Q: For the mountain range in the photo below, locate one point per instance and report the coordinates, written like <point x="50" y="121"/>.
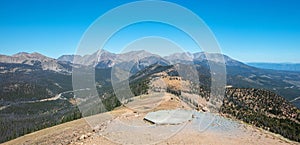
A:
<point x="277" y="66"/>
<point x="37" y="92"/>
<point x="285" y="83"/>
<point x="105" y="59"/>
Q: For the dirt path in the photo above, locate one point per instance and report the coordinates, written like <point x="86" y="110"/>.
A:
<point x="56" y="97"/>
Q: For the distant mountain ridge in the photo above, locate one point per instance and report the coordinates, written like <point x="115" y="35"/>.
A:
<point x="277" y="66"/>
<point x="108" y="59"/>
<point x="36" y="60"/>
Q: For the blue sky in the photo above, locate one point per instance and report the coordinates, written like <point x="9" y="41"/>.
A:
<point x="248" y="30"/>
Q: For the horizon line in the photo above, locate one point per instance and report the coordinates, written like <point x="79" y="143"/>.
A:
<point x="247" y="62"/>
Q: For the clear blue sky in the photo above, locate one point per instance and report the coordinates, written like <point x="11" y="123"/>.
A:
<point x="247" y="30"/>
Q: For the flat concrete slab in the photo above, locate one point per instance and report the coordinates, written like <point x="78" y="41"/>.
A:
<point x="169" y="117"/>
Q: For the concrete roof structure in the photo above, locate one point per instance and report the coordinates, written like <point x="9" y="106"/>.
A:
<point x="169" y="117"/>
